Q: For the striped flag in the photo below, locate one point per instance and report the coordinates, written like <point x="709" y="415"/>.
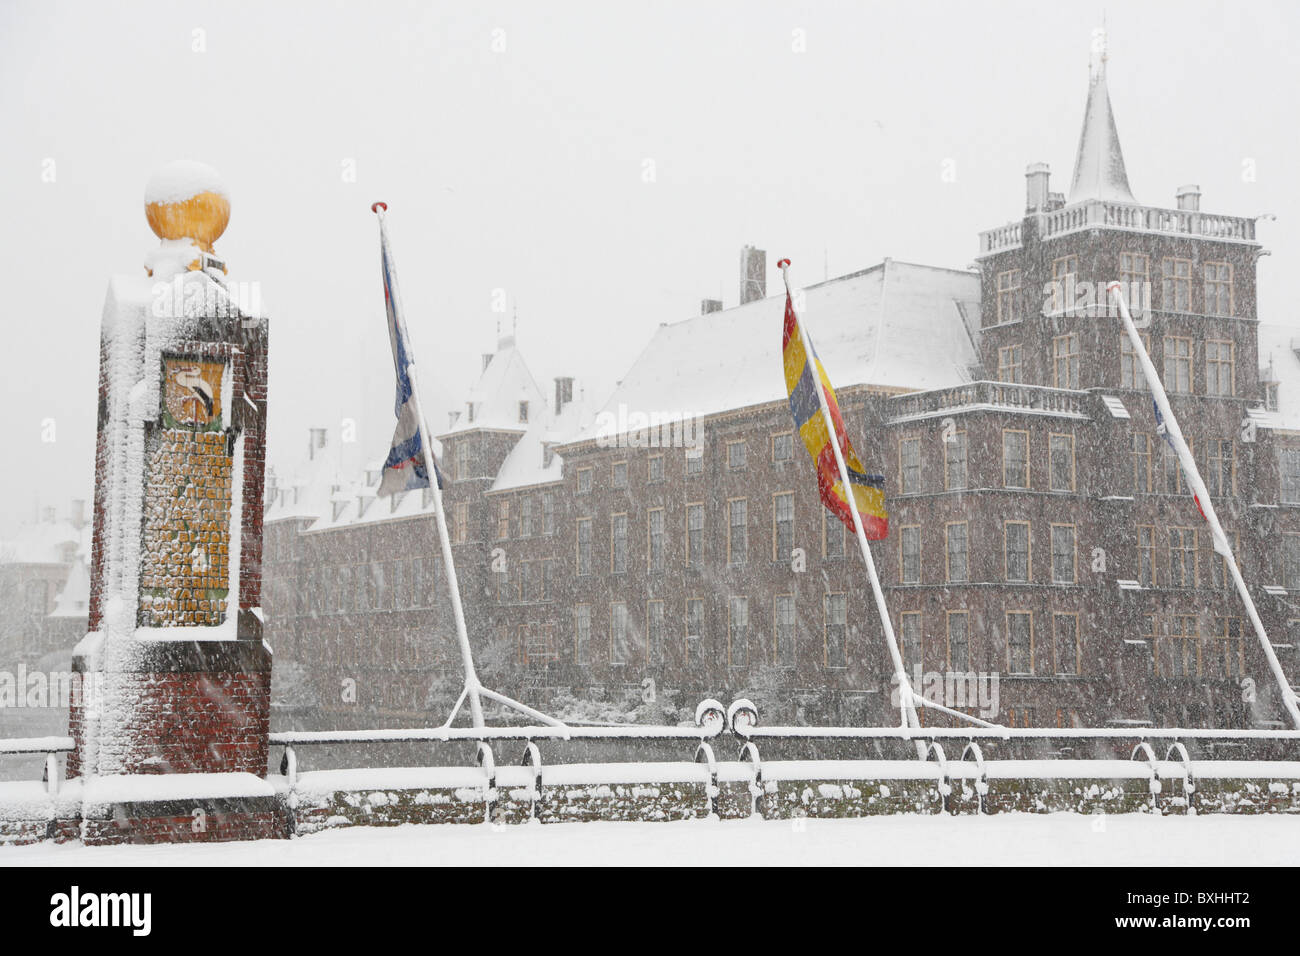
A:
<point x="801" y="383"/>
<point x="404" y="469"/>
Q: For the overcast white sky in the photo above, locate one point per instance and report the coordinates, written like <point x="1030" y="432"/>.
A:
<point x="522" y="169"/>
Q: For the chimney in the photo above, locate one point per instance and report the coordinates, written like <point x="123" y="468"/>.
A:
<point x="1189" y="198"/>
<point x="1036" y="192"/>
<point x="563" y="392"/>
<point x="487" y="360"/>
<point x="753" y="274"/>
<point x="77" y="513"/>
<point x="315" y="442"/>
<point x="710" y="305"/>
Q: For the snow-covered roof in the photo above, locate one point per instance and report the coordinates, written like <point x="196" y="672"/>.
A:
<point x="527" y="464"/>
<point x="74" y="598"/>
<point x="1099" y="171"/>
<point x="1280" y="363"/>
<point x="495" y="397"/>
<point x="897" y="325"/>
<point x="46" y="542"/>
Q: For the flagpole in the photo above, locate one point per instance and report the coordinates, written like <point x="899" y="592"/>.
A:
<point x="906" y="699"/>
<point x="1217" y="535"/>
<point x="473" y="687"/>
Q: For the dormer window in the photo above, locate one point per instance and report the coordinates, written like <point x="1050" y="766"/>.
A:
<point x="523" y="412"/>
<point x="470" y="412"/>
<point x="1270" y="396"/>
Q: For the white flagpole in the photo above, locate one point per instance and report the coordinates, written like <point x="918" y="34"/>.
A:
<point x="1219" y="539"/>
<point x="473" y="687"/>
<point x="906" y="698"/>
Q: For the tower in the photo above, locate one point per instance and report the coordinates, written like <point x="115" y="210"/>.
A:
<point x="175" y="677"/>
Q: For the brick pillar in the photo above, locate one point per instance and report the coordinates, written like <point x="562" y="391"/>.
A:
<point x="176" y="679"/>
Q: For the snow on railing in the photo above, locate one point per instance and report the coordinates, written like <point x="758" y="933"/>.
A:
<point x="1101" y="214"/>
<point x="1000" y="395"/>
<point x="50" y="746"/>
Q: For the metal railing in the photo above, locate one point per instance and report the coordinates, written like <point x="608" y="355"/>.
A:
<point x="50" y="746"/>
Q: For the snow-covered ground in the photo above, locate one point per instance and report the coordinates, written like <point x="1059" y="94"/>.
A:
<point x="1051" y="839"/>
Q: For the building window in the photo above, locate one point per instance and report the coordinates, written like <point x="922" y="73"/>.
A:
<point x="1221" y="467"/>
<point x="654" y="631"/>
<point x="618" y="543"/>
<point x="1009" y="364"/>
<point x="525" y="580"/>
<point x="655" y="468"/>
<point x="909" y="635"/>
<point x="959" y="641"/>
<point x="1008" y="296"/>
<point x="1061" y="470"/>
<point x="783" y="447"/>
<point x="1020" y="642"/>
<point x="462" y="460"/>
<point x="909" y="554"/>
<point x="1065" y="361"/>
<point x="782" y="526"/>
<point x="958" y="568"/>
<point x="1015" y="558"/>
<point x="582" y="634"/>
<point x="737" y="540"/>
<point x="694" y="627"/>
<point x="618" y="474"/>
<point x="618" y="636"/>
<point x="1065" y="641"/>
<point x="1065" y="272"/>
<point x="526" y="517"/>
<point x="655" y="538"/>
<point x="738" y="631"/>
<point x="1141" y="461"/>
<point x="1130" y="368"/>
<point x="1221" y="654"/>
<point x="523" y="412"/>
<point x="1182" y="557"/>
<point x="835" y="636"/>
<point x="1176" y="285"/>
<point x="833" y="535"/>
<point x="736" y="455"/>
<point x="783" y="630"/>
<point x="584" y="481"/>
<point x="1147" y="556"/>
<point x="1219" y="575"/>
<point x="1175" y="480"/>
<point x="460" y="522"/>
<point x="1134" y="269"/>
<point x="1289" y="465"/>
<point x="1015" y="458"/>
<point x="1178" y="654"/>
<point x="1270" y="396"/>
<point x="1063" y="554"/>
<point x="694" y="461"/>
<point x="1218" y="288"/>
<point x="548" y="512"/>
<point x="548" y="579"/>
<point x="1218" y="367"/>
<point x="909" y="465"/>
<point x="954" y="455"/>
<point x="584" y="545"/>
<point x="503" y="519"/>
<point x="1291" y="561"/>
<point x="694" y="534"/>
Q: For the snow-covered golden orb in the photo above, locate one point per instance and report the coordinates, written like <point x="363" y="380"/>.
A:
<point x="187" y="200"/>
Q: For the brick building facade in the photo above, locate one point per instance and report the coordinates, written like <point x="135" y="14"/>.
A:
<point x="1041" y="537"/>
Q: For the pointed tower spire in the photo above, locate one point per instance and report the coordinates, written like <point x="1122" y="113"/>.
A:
<point x="1099" y="166"/>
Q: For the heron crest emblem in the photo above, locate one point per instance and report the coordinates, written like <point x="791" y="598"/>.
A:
<point x="192" y="392"/>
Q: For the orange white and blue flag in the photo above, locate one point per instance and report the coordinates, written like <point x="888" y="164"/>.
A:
<point x="802" y="378"/>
